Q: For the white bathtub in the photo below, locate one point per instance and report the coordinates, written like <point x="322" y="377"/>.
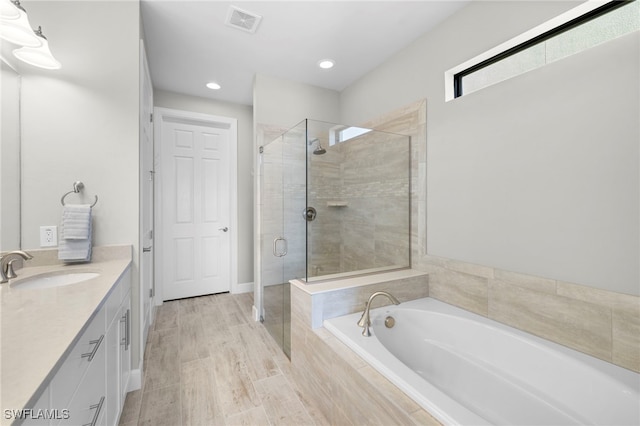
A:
<point x="466" y="369"/>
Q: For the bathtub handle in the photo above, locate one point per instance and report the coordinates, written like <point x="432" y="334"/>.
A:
<point x="275" y="247"/>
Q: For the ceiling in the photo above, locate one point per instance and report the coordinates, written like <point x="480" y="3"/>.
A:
<point x="188" y="43"/>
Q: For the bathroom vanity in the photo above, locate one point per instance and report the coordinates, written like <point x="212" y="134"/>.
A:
<point x="66" y="347"/>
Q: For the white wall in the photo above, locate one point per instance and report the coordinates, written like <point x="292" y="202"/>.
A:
<point x="537" y="174"/>
<point x="81" y="122"/>
<point x="278" y="102"/>
<point x="244" y="115"/>
<point x="417" y="71"/>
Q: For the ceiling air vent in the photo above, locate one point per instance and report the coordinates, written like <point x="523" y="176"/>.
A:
<point x="242" y="20"/>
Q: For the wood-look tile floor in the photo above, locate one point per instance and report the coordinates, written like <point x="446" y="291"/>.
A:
<point x="208" y="363"/>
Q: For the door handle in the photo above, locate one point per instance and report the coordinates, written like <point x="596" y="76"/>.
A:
<point x="146" y="249"/>
<point x="96" y="414"/>
<point x="90" y="355"/>
<point x="275" y="247"/>
<point x="126" y="319"/>
<point x="225" y="229"/>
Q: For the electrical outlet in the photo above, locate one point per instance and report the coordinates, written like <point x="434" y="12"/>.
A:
<point x="48" y="236"/>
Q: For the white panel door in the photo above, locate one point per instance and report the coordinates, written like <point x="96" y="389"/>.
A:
<point x="195" y="209"/>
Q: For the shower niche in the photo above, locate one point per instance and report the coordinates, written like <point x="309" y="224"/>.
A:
<point x="334" y="203"/>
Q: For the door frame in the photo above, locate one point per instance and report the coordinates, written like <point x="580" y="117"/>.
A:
<point x="143" y="324"/>
<point x="161" y="115"/>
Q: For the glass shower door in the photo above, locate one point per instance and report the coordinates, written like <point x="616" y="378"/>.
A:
<point x="273" y="246"/>
<point x="283" y="199"/>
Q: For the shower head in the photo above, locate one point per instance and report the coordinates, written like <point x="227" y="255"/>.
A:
<point x="319" y="149"/>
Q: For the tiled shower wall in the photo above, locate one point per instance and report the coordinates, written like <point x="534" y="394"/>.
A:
<point x="326" y="196"/>
<point x="600" y="323"/>
<point x="360" y="189"/>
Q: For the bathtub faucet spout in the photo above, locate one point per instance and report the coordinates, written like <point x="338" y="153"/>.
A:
<point x="365" y="321"/>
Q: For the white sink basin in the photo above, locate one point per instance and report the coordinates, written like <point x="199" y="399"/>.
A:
<point x="53" y="279"/>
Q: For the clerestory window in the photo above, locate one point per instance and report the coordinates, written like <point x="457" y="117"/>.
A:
<point x="557" y="39"/>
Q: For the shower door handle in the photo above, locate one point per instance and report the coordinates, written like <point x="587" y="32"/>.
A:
<point x="275" y="247"/>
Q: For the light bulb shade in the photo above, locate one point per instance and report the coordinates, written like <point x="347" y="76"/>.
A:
<point x="19" y="31"/>
<point x="38" y="56"/>
<point x="8" y="10"/>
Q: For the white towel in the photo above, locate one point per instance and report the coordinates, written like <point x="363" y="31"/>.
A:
<point x="76" y="220"/>
<point x="76" y="233"/>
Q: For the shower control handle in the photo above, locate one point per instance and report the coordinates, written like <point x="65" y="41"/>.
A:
<point x="309" y="214"/>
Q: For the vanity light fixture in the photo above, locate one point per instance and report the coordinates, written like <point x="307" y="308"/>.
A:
<point x="38" y="56"/>
<point x="18" y="30"/>
<point x="8" y="10"/>
<point x="325" y="64"/>
<point x="214" y="86"/>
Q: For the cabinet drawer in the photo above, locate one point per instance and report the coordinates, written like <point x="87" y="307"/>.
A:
<point x="42" y="414"/>
<point x="88" y="404"/>
<point x="67" y="379"/>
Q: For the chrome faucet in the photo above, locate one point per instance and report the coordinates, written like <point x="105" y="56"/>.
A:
<point x="6" y="264"/>
<point x="365" y="321"/>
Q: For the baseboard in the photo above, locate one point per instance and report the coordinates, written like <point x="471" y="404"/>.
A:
<point x="242" y="288"/>
<point x="135" y="380"/>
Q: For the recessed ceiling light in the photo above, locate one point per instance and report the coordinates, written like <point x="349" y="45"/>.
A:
<point x="325" y="64"/>
<point x="213" y="86"/>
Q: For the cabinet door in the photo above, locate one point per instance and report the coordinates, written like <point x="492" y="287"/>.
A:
<point x="125" y="348"/>
<point x="113" y="403"/>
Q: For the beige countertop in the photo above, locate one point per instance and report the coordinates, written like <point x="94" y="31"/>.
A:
<point x="39" y="326"/>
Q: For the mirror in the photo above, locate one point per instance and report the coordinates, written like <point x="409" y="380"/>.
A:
<point x="10" y="160"/>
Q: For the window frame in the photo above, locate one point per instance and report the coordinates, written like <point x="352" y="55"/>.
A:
<point x="336" y="134"/>
<point x="575" y="22"/>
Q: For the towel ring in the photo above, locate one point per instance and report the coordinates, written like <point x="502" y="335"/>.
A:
<point x="77" y="187"/>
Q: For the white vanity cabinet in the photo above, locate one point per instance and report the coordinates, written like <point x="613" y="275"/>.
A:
<point x="91" y="383"/>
